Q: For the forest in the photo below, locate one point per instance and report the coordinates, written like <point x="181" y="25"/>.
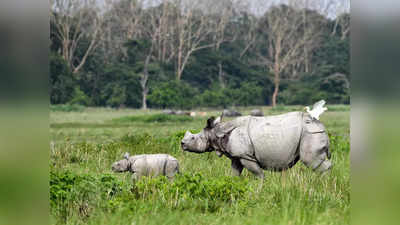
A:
<point x="183" y="54"/>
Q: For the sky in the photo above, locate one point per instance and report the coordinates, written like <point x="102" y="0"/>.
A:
<point x="259" y="7"/>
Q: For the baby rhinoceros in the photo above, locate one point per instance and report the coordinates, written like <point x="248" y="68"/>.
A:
<point x="148" y="165"/>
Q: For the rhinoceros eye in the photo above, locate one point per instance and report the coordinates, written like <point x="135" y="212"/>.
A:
<point x="192" y="138"/>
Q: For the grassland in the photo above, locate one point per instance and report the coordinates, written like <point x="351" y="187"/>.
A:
<point x="84" y="191"/>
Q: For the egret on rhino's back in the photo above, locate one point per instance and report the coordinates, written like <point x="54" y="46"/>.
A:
<point x="318" y="109"/>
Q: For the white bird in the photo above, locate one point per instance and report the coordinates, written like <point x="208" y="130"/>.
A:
<point x="318" y="109"/>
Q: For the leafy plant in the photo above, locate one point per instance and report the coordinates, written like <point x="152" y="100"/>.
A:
<point x="79" y="98"/>
<point x="206" y="193"/>
<point x="175" y="94"/>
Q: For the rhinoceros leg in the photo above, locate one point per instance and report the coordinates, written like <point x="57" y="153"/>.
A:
<point x="136" y="176"/>
<point x="237" y="167"/>
<point x="253" y="167"/>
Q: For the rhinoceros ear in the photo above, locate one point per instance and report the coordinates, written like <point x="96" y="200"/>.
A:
<point x="210" y="122"/>
<point x="126" y="155"/>
<point x="218" y="120"/>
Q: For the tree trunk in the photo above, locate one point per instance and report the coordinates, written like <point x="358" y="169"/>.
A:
<point x="344" y="34"/>
<point x="305" y="46"/>
<point x="178" y="74"/>
<point x="87" y="53"/>
<point x="276" y="88"/>
<point x="275" y="94"/>
<point x="179" y="71"/>
<point x="143" y="81"/>
<point x="65" y="53"/>
<point x="221" y="75"/>
<point x="334" y="28"/>
<point x="306" y="60"/>
<point x="144" y="94"/>
<point x="144" y="98"/>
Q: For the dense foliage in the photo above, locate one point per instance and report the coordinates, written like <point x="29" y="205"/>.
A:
<point x="119" y="75"/>
<point x="69" y="190"/>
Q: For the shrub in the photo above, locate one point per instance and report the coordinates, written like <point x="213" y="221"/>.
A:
<point x="120" y="86"/>
<point x="67" y="108"/>
<point x="312" y="88"/>
<point x="175" y="94"/>
<point x="214" y="98"/>
<point x="248" y="94"/>
<point x="62" y="81"/>
<point x="77" y="194"/>
<point x="208" y="194"/>
<point x="299" y="94"/>
<point x="159" y="118"/>
<point x="73" y="194"/>
<point x="80" y="98"/>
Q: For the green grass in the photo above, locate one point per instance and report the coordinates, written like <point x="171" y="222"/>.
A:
<point x="67" y="108"/>
<point x="83" y="189"/>
<point x="154" y="118"/>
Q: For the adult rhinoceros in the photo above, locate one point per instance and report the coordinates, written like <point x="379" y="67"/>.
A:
<point x="271" y="142"/>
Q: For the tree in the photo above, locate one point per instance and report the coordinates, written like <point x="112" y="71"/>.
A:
<point x="74" y="23"/>
<point x="176" y="94"/>
<point x="343" y="21"/>
<point x="143" y="49"/>
<point x="153" y="23"/>
<point x="248" y="32"/>
<point x="145" y="26"/>
<point x="222" y="13"/>
<point x="122" y="24"/>
<point x="61" y="80"/>
<point x="120" y="86"/>
<point x="341" y="25"/>
<point x="192" y="30"/>
<point x="229" y="51"/>
<point x="287" y="39"/>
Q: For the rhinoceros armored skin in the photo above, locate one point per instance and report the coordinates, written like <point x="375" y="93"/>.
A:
<point x="148" y="165"/>
<point x="271" y="142"/>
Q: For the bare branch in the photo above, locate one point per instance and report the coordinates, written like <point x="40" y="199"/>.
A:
<point x="291" y="37"/>
<point x="74" y="21"/>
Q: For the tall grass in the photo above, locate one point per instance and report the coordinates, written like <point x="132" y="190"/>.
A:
<point x="84" y="191"/>
<point x="67" y="108"/>
<point x="154" y="118"/>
